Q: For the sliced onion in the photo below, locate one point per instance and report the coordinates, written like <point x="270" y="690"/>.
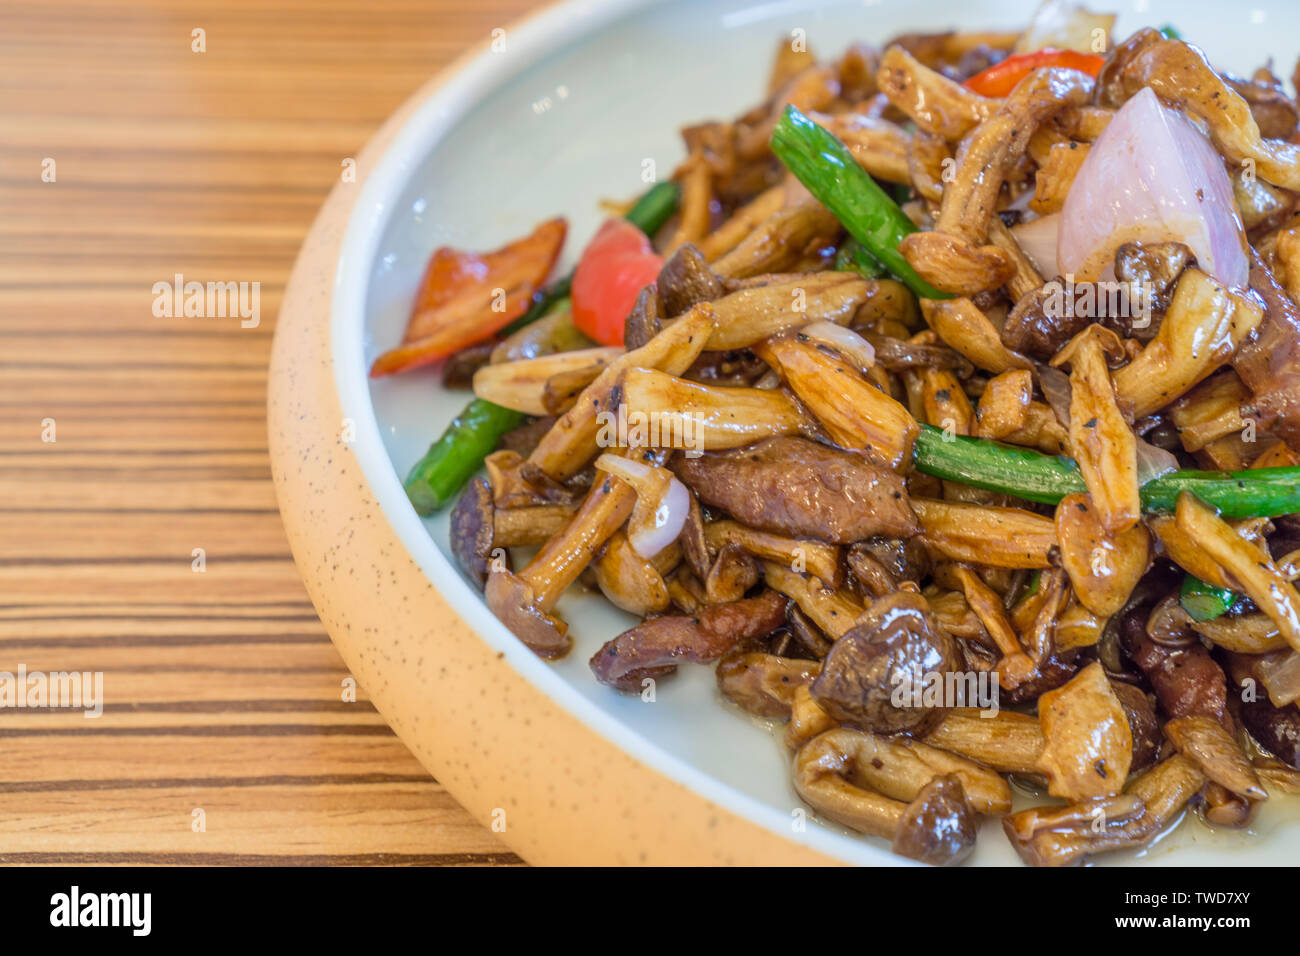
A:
<point x="1037" y="240"/>
<point x="656" y="523"/>
<point x="1152" y="462"/>
<point x="664" y="525"/>
<point x="853" y="346"/>
<point x="1065" y="26"/>
<point x="1280" y="677"/>
<point x="1151" y="177"/>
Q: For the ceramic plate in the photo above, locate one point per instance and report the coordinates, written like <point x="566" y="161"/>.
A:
<point x="550" y="116"/>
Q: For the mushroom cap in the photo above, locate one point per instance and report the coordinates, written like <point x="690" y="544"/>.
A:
<point x="511" y="599"/>
<point x="472" y="530"/>
<point x="895" y="643"/>
<point x="938" y="827"/>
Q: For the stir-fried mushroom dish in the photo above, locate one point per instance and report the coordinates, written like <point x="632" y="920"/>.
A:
<point x="947" y="404"/>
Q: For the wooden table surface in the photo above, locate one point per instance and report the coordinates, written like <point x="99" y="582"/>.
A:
<point x="222" y="693"/>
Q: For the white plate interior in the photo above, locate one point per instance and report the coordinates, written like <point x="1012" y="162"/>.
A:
<point x="571" y="110"/>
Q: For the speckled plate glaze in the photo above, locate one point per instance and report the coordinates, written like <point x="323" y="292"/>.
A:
<point x="561" y="110"/>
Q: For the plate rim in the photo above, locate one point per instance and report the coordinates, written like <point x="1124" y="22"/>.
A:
<point x="434" y="112"/>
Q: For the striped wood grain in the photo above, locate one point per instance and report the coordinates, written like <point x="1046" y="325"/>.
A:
<point x="222" y="691"/>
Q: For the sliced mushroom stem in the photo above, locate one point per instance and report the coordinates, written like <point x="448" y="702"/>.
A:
<point x="1000" y="537"/>
<point x="807" y="718"/>
<point x="764" y="684"/>
<point x="952" y="256"/>
<point x="522" y="385"/>
<point x="748" y="316"/>
<point x="1006" y="741"/>
<point x="1208" y="743"/>
<point x="935" y="103"/>
<point x="1026" y="278"/>
<point x="572" y="441"/>
<point x="529" y="526"/>
<point x="778" y="241"/>
<point x="1201" y="330"/>
<point x="562" y="558"/>
<point x="1255" y="573"/>
<point x="1049" y="836"/>
<point x="677" y="413"/>
<point x="854" y="412"/>
<point x="1088" y="743"/>
<point x="523" y="601"/>
<point x="815" y="557"/>
<point x="937" y="826"/>
<point x="744" y="221"/>
<point x="899" y="767"/>
<point x="1101" y="439"/>
<point x="966" y="329"/>
<point x="833" y="611"/>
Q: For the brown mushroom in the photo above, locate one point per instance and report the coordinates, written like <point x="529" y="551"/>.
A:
<point x="1223" y="808"/>
<point x="572" y="442"/>
<point x="524" y="601"/>
<point x="531" y="385"/>
<point x="1088" y="745"/>
<point x="1006" y="741"/>
<point x="935" y="103"/>
<point x="733" y="573"/>
<point x="937" y="826"/>
<point x="1064" y="836"/>
<point x="854" y="412"/>
<point x="956" y="257"/>
<point x="480" y="531"/>
<point x="631" y="582"/>
<point x="831" y="610"/>
<point x="686" y="280"/>
<point x="988" y="535"/>
<point x="1208" y="743"/>
<point x="1203" y="327"/>
<point x="817" y="558"/>
<point x="807" y="719"/>
<point x="672" y="412"/>
<point x="654" y="647"/>
<point x="894" y="650"/>
<point x="1104" y="567"/>
<point x="764" y="684"/>
<point x="779" y="240"/>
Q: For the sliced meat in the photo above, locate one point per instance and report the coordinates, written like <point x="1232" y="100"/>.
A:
<point x="1269" y="363"/>
<point x="654" y="647"/>
<point x="1186" y="680"/>
<point x="799" y="488"/>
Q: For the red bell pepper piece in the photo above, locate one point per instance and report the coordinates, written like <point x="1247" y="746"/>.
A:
<point x="616" y="265"/>
<point x="468" y="297"/>
<point x="1001" y="78"/>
